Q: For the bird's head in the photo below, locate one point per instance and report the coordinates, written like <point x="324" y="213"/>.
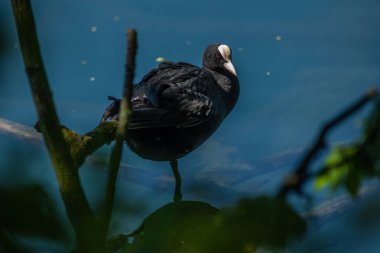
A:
<point x="218" y="57"/>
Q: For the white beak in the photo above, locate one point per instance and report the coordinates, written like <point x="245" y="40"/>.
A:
<point x="228" y="65"/>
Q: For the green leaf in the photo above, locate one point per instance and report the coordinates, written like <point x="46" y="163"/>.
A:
<point x="263" y="221"/>
<point x="191" y="226"/>
<point x="338" y="164"/>
<point x="172" y="228"/>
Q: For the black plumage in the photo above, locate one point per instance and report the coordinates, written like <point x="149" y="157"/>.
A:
<point x="177" y="106"/>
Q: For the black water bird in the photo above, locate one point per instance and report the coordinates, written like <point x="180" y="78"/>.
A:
<point x="177" y="106"/>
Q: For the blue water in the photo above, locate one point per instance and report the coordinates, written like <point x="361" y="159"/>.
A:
<point x="299" y="63"/>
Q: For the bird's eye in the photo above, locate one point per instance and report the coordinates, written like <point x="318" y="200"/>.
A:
<point x="225" y="52"/>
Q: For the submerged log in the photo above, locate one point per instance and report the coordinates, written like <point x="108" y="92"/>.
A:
<point x="80" y="145"/>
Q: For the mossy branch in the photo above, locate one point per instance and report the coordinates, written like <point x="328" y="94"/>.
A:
<point x="82" y="146"/>
<point x="76" y="204"/>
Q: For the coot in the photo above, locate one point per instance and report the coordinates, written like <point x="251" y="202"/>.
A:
<point x="177" y="106"/>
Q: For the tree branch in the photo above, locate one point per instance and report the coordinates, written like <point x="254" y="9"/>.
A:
<point x="121" y="132"/>
<point x="299" y="176"/>
<point x="76" y="204"/>
<point x="82" y="146"/>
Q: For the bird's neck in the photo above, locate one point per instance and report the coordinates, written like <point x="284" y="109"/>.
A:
<point x="230" y="85"/>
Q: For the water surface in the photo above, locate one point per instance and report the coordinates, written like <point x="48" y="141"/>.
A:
<point x="299" y="63"/>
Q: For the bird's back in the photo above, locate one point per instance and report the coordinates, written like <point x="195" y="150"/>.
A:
<point x="175" y="108"/>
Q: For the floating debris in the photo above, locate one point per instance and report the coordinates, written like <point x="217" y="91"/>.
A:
<point x="160" y="59"/>
<point x="92" y="79"/>
<point x="268" y="73"/>
<point x="278" y="37"/>
<point x="94" y="29"/>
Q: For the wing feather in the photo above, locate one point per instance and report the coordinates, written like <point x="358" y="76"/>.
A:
<point x="174" y="94"/>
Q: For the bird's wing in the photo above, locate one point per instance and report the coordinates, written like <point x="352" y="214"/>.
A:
<point x="112" y="110"/>
<point x="174" y="94"/>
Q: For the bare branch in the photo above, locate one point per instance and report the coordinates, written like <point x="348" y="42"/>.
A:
<point x="121" y="130"/>
<point x="299" y="176"/>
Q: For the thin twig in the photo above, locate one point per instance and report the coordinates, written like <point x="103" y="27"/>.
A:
<point x="121" y="131"/>
<point x="76" y="204"/>
<point x="299" y="176"/>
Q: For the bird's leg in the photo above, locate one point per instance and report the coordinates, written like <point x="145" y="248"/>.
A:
<point x="177" y="176"/>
